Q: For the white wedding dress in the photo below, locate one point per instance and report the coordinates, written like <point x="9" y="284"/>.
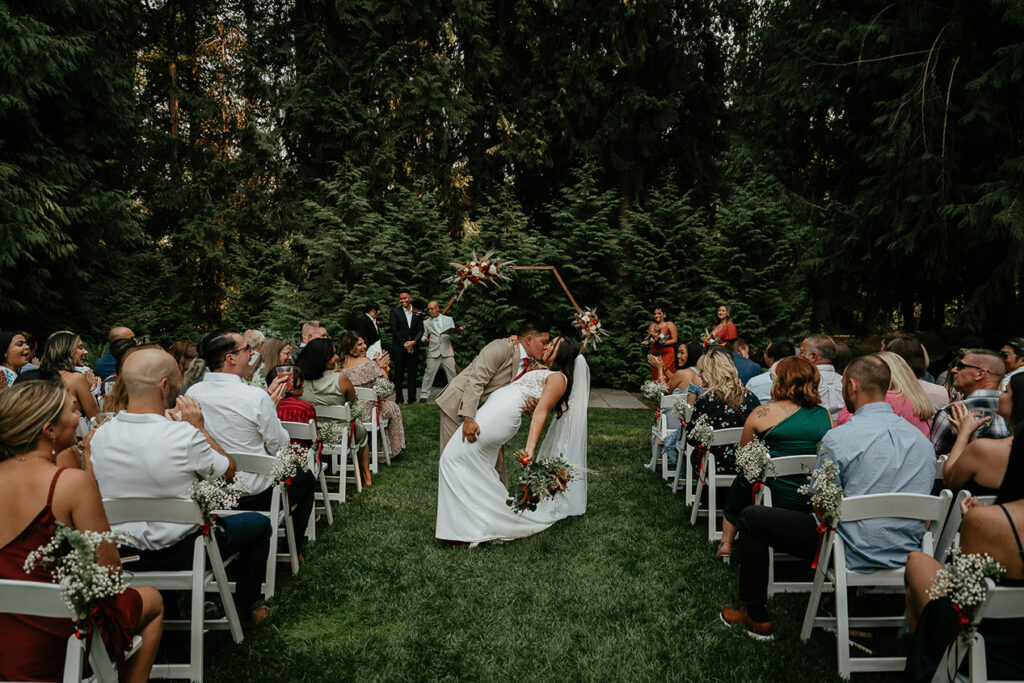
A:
<point x="471" y="500"/>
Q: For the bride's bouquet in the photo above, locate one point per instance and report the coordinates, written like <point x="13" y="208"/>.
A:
<point x="539" y="480"/>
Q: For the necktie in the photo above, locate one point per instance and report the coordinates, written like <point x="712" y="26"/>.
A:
<point x="526" y="366"/>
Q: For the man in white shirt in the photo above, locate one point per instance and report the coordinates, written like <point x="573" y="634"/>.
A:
<point x="1013" y="358"/>
<point x="820" y="349"/>
<point x="437" y="333"/>
<point x="243" y="419"/>
<point x="761" y="385"/>
<point x="156" y="449"/>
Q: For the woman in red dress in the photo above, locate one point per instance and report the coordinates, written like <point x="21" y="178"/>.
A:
<point x="723" y="329"/>
<point x="38" y="419"/>
<point x="662" y="337"/>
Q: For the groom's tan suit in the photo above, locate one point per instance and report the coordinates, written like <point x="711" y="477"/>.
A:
<point x="494" y="367"/>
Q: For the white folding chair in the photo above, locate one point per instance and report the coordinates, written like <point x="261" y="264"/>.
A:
<point x="35" y="599"/>
<point x="950" y="537"/>
<point x="683" y="451"/>
<point x="660" y="431"/>
<point x="1000" y="603"/>
<point x="280" y="516"/>
<point x="931" y="509"/>
<point x="375" y="427"/>
<point x="341" y="453"/>
<point x="306" y="431"/>
<point x="789" y="465"/>
<point x="198" y="580"/>
<point x="708" y="477"/>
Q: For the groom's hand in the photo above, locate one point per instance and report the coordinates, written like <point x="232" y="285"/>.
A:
<point x="531" y="403"/>
<point x="470" y="429"/>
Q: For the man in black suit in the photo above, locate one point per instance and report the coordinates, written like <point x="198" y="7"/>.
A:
<point x="406" y="335"/>
<point x="368" y="324"/>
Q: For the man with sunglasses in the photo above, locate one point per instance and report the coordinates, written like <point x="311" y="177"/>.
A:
<point x="977" y="378"/>
<point x="1013" y="359"/>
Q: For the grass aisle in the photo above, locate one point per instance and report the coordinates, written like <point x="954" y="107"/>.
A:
<point x="627" y="592"/>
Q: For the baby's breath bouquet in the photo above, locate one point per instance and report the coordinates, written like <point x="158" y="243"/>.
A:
<point x="963" y="581"/>
<point x="383" y="388"/>
<point x="540" y="479"/>
<point x="826" y="496"/>
<point x="215" y="494"/>
<point x="654" y="390"/>
<point x="680" y="404"/>
<point x="288" y="462"/>
<point x="332" y="432"/>
<point x="754" y="461"/>
<point x="72" y="556"/>
<point x="701" y="431"/>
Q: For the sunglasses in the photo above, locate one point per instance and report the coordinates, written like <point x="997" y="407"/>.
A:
<point x="241" y="350"/>
<point x="961" y="365"/>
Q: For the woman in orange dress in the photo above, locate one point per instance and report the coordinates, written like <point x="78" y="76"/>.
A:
<point x="723" y="330"/>
<point x="662" y="336"/>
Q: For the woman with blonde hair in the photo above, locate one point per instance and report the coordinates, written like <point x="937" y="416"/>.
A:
<point x="905" y="395"/>
<point x="37" y="419"/>
<point x="726" y="403"/>
<point x="274" y="353"/>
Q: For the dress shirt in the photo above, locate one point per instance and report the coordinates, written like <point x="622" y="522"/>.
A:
<point x="936" y="394"/>
<point x="408" y="316"/>
<point x="524" y="359"/>
<point x="145" y="455"/>
<point x="983" y="402"/>
<point x="879" y="452"/>
<point x="830" y="388"/>
<point x="241" y="419"/>
<point x="1006" y="378"/>
<point x="745" y="367"/>
<point x="761" y="386"/>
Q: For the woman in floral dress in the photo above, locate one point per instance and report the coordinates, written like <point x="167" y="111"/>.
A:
<point x="363" y="372"/>
<point x="726" y="403"/>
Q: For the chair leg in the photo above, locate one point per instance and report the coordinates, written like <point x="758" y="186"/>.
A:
<point x="387" y="449"/>
<point x="819" y="583"/>
<point x="217" y="567"/>
<point x="842" y="625"/>
<point x="712" y="507"/>
<point x="695" y="508"/>
<point x="325" y="492"/>
<point x="373" y="448"/>
<point x="289" y="534"/>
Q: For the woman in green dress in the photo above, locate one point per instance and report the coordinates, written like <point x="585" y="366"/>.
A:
<point x="791" y="424"/>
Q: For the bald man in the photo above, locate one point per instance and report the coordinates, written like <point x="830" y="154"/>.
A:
<point x="106" y="364"/>
<point x="156" y="449"/>
<point x="437" y="333"/>
<point x="977" y="378"/>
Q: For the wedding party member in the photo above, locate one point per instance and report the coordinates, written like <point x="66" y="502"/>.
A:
<point x="877" y="452"/>
<point x="363" y="372"/>
<point x="406" y="337"/>
<point x="471" y="498"/>
<point x="62" y="352"/>
<point x="910" y="350"/>
<point x="761" y="384"/>
<point x="437" y="331"/>
<point x="976" y="377"/>
<point x="904" y="395"/>
<point x="499" y="363"/>
<point x="16" y="354"/>
<point x="144" y="453"/>
<point x="367" y="325"/>
<point x="243" y="419"/>
<point x="662" y="337"/>
<point x="791" y="424"/>
<point x="106" y="363"/>
<point x="36" y="419"/>
<point x="726" y="403"/>
<point x="723" y="330"/>
<point x="994" y="529"/>
<point x="820" y="349"/>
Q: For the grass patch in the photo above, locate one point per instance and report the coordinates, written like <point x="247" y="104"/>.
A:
<point x="629" y="591"/>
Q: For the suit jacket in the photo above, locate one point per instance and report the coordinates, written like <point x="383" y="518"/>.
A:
<point x="439" y="330"/>
<point x="366" y="329"/>
<point x="402" y="332"/>
<point x="494" y="367"/>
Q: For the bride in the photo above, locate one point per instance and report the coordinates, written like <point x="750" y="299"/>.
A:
<point x="471" y="499"/>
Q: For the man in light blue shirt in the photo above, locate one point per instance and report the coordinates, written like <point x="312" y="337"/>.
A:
<point x="761" y="384"/>
<point x="877" y="452"/>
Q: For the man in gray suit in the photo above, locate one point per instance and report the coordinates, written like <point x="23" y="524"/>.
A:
<point x="437" y="331"/>
<point x="498" y="364"/>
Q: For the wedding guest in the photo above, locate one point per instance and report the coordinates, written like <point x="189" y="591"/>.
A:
<point x="680" y="382"/>
<point x="791" y="424"/>
<point x="761" y="384"/>
<point x="36" y="419"/>
<point x="183" y="352"/>
<point x="243" y="419"/>
<point x="327" y="386"/>
<point x="362" y="372"/>
<point x="974" y="464"/>
<point x="877" y="452"/>
<point x="118" y="349"/>
<point x="662" y="337"/>
<point x="723" y="330"/>
<point x="311" y="329"/>
<point x="820" y="349"/>
<point x="106" y="363"/>
<point x="293" y="408"/>
<point x="61" y="353"/>
<point x="994" y="529"/>
<point x="33" y="345"/>
<point x="406" y="337"/>
<point x="16" y="354"/>
<point x="1013" y="359"/>
<point x="726" y="403"/>
<point x="910" y="349"/>
<point x="976" y="377"/>
<point x="255" y="339"/>
<point x="904" y="395"/>
<point x="437" y="334"/>
<point x="275" y="352"/>
<point x="745" y="368"/>
<point x="156" y="448"/>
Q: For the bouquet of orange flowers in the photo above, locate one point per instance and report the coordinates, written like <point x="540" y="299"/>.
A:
<point x="540" y="479"/>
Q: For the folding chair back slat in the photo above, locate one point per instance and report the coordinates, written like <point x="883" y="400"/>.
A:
<point x="374" y="426"/>
<point x="713" y="480"/>
<point x="306" y="431"/>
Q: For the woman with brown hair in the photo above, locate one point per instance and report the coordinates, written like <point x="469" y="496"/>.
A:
<point x="274" y="353"/>
<point x="37" y="419"/>
<point x="62" y="353"/>
<point x="792" y="423"/>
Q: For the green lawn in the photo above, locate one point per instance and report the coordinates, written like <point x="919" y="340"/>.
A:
<point x="629" y="591"/>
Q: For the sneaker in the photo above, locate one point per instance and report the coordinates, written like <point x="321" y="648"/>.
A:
<point x="758" y="630"/>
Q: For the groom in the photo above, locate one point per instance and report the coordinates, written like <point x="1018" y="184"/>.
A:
<point x="498" y="364"/>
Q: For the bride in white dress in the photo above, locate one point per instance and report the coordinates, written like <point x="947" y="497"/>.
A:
<point x="471" y="500"/>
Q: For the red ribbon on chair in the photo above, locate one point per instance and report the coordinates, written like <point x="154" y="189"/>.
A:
<point x="352" y="431"/>
<point x="756" y="487"/>
<point x="113" y="626"/>
<point x="208" y="525"/>
<point x="657" y="414"/>
<point x="822" y="528"/>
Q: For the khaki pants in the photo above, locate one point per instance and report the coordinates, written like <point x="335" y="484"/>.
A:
<point x="450" y="426"/>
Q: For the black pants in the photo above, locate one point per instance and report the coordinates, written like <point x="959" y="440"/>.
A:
<point x="761" y="527"/>
<point x="300" y="494"/>
<point x="406" y="365"/>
